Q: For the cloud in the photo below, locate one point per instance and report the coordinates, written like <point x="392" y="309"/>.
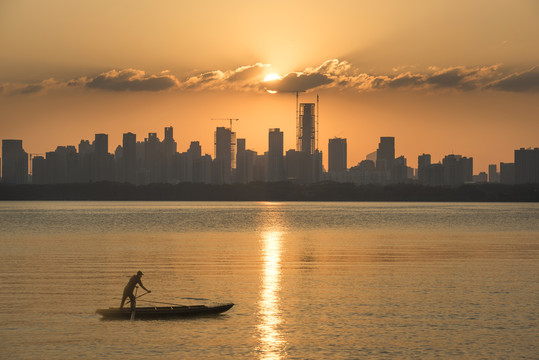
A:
<point x="293" y="82"/>
<point x="132" y="80"/>
<point x="248" y="73"/>
<point x="28" y="89"/>
<point x="331" y="74"/>
<point x="519" y="82"/>
<point x="243" y="77"/>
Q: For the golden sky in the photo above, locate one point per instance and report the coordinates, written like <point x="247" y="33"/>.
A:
<point x="441" y="76"/>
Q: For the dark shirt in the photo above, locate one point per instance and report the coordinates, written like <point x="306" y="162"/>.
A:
<point x="135" y="279"/>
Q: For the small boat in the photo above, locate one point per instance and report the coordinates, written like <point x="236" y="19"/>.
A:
<point x="163" y="312"/>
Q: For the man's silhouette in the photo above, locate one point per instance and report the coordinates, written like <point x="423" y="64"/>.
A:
<point x="128" y="290"/>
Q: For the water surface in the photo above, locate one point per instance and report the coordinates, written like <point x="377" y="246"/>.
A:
<point x="310" y="280"/>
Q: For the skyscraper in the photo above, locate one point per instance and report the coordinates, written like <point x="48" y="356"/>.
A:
<point x="100" y="159"/>
<point x="423" y="163"/>
<point x="276" y="170"/>
<point x="14" y="162"/>
<point x="225" y="140"/>
<point x="493" y="174"/>
<point x="527" y="166"/>
<point x="507" y="173"/>
<point x="129" y="158"/>
<point x="306" y="128"/>
<point x="457" y="170"/>
<point x="169" y="142"/>
<point x="241" y="168"/>
<point x="337" y="155"/>
<point x="385" y="155"/>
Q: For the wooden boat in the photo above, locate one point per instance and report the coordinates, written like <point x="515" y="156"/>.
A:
<point x="163" y="312"/>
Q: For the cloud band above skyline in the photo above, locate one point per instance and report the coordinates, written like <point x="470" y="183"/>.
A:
<point x="332" y="74"/>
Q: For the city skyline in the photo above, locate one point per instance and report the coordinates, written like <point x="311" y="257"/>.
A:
<point x="450" y="77"/>
<point x="152" y="160"/>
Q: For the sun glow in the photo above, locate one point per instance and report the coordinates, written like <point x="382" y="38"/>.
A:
<point x="272" y="77"/>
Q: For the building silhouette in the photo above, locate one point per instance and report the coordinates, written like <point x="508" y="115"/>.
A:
<point x="306" y="128"/>
<point x="276" y="165"/>
<point x="423" y="163"/>
<point x="337" y="155"/>
<point x="225" y="141"/>
<point x="507" y="173"/>
<point x="129" y="158"/>
<point x="14" y="162"/>
<point x="385" y="154"/>
<point x="457" y="170"/>
<point x="527" y="166"/>
<point x="493" y="174"/>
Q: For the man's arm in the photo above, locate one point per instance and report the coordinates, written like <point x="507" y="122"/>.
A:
<point x="142" y="286"/>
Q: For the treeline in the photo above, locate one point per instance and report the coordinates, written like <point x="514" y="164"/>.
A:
<point x="282" y="191"/>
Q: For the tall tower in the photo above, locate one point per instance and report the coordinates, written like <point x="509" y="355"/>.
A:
<point x="101" y="151"/>
<point x="225" y="140"/>
<point x="169" y="142"/>
<point x="14" y="162"/>
<point x="129" y="158"/>
<point x="275" y="155"/>
<point x="385" y="155"/>
<point x="337" y="153"/>
<point x="306" y="128"/>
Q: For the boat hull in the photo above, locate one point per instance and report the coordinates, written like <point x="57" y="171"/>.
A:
<point x="164" y="312"/>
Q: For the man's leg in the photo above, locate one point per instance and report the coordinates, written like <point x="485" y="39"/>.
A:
<point x="123" y="301"/>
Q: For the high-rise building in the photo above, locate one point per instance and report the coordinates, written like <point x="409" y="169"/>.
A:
<point x="101" y="159"/>
<point x="306" y="128"/>
<point x="385" y="155"/>
<point x="169" y="151"/>
<point x="169" y="143"/>
<point x="457" y="170"/>
<point x="38" y="170"/>
<point x="493" y="174"/>
<point x="241" y="168"/>
<point x="276" y="170"/>
<point x="225" y="141"/>
<point x="154" y="159"/>
<point x="527" y="166"/>
<point x="195" y="149"/>
<point x="129" y="158"/>
<point x="423" y="163"/>
<point x="14" y="162"/>
<point x="507" y="173"/>
<point x="337" y="153"/>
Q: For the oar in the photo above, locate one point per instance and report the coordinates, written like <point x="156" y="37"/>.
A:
<point x="133" y="312"/>
<point x="129" y="300"/>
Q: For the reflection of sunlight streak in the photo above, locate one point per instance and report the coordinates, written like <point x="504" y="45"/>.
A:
<point x="272" y="343"/>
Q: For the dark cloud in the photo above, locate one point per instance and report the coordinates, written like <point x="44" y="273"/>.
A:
<point x="246" y="73"/>
<point x="31" y="89"/>
<point x="447" y="78"/>
<point x="132" y="80"/>
<point x="406" y="80"/>
<point x="298" y="82"/>
<point x="525" y="81"/>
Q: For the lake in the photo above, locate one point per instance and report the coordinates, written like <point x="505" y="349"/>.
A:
<point x="309" y="280"/>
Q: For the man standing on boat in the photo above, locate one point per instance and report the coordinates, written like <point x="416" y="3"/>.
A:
<point x="128" y="290"/>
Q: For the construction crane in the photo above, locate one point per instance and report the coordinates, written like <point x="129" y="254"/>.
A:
<point x="229" y="119"/>
<point x="30" y="158"/>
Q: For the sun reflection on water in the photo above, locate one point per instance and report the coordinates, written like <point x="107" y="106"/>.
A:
<point x="272" y="342"/>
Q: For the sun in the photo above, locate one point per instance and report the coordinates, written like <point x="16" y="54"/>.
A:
<point x="271" y="77"/>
